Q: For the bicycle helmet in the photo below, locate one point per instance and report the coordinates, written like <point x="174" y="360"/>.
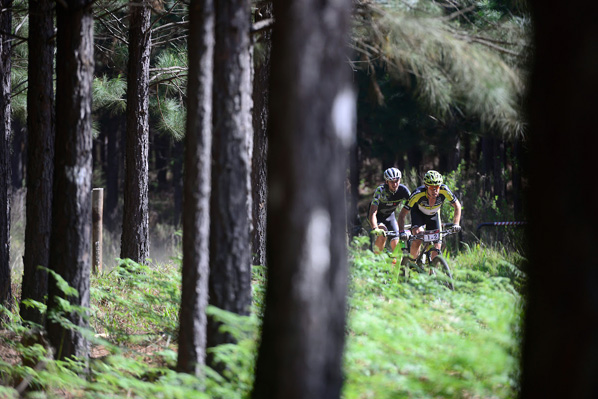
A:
<point x="392" y="174"/>
<point x="432" y="178"/>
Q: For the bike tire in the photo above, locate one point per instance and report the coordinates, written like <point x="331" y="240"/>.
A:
<point x="440" y="263"/>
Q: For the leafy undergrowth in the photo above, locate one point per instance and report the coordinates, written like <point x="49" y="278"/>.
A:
<point x="133" y="332"/>
<point x="418" y="339"/>
<point x="413" y="339"/>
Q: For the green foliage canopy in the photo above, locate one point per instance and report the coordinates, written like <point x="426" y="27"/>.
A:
<point x="462" y="58"/>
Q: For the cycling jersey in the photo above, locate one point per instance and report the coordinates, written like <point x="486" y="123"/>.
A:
<point x="420" y="198"/>
<point x="386" y="201"/>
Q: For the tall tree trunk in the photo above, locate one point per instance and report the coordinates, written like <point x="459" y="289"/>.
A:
<point x="162" y="145"/>
<point x="40" y="166"/>
<point x="487" y="145"/>
<point x="312" y="111"/>
<point x="498" y="167"/>
<point x="197" y="189"/>
<point x="5" y="132"/>
<point x="18" y="156"/>
<point x="70" y="243"/>
<point x="453" y="147"/>
<point x="560" y="359"/>
<point x="230" y="209"/>
<point x="415" y="158"/>
<point x="353" y="220"/>
<point x="518" y="179"/>
<point x="259" y="175"/>
<point x="466" y="141"/>
<point x="114" y="160"/>
<point x="177" y="182"/>
<point x="135" y="233"/>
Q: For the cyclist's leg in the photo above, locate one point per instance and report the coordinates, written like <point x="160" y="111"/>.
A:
<point x="418" y="223"/>
<point x="380" y="240"/>
<point x="392" y="225"/>
<point x="433" y="223"/>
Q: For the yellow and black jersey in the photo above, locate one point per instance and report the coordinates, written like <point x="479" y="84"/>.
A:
<point x="386" y="201"/>
<point x="419" y="198"/>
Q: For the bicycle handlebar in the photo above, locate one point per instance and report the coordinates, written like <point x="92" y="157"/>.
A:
<point x="425" y="236"/>
<point x="421" y="236"/>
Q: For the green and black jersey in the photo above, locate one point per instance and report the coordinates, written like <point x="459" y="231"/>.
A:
<point x="419" y="198"/>
<point x="386" y="201"/>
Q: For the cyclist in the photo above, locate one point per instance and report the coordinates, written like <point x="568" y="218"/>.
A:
<point x="425" y="203"/>
<point x="387" y="198"/>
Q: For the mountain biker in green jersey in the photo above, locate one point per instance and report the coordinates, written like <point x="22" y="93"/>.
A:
<point x="381" y="214"/>
<point x="424" y="204"/>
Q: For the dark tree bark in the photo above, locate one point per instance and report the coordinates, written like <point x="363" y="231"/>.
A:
<point x="161" y="146"/>
<point x="518" y="154"/>
<point x="415" y="158"/>
<point x="5" y="132"/>
<point x="259" y="175"/>
<point x="312" y="111"/>
<point x="466" y="141"/>
<point x="177" y="182"/>
<point x="453" y="147"/>
<point x="353" y="218"/>
<point x="112" y="168"/>
<point x="197" y="189"/>
<point x="135" y="232"/>
<point x="560" y="359"/>
<point x="70" y="242"/>
<point x="230" y="209"/>
<point x="498" y="167"/>
<point x="40" y="167"/>
<point x="487" y="149"/>
<point x="18" y="156"/>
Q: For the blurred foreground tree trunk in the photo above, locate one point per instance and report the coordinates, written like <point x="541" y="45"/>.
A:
<point x="560" y="357"/>
<point x="230" y="208"/>
<point x="312" y="114"/>
<point x="196" y="197"/>
<point x="135" y="239"/>
<point x="5" y="132"/>
<point x="70" y="243"/>
<point x="40" y="166"/>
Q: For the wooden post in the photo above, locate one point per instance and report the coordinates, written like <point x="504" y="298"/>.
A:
<point x="97" y="199"/>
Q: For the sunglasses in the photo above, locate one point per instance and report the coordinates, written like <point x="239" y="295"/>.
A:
<point x="434" y="187"/>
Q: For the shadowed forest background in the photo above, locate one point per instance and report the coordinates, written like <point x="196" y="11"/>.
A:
<point x="439" y="86"/>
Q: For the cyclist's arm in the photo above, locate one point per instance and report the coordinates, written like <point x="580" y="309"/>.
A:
<point x="373" y="216"/>
<point x="457" y="206"/>
<point x="401" y="218"/>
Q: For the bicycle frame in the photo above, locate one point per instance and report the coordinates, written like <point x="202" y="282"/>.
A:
<point x="428" y="238"/>
<point x="428" y="245"/>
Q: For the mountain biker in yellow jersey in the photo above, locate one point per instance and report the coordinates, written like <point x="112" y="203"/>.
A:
<point x="425" y="203"/>
<point x="381" y="214"/>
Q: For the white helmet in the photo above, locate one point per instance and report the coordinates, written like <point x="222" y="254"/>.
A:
<point x="392" y="174"/>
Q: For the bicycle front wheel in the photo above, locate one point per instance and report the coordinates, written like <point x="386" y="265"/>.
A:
<point x="440" y="263"/>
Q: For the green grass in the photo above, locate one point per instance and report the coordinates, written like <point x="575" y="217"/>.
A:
<point x="417" y="339"/>
<point x="413" y="339"/>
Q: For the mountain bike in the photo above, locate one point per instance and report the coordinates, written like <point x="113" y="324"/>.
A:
<point x="430" y="259"/>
